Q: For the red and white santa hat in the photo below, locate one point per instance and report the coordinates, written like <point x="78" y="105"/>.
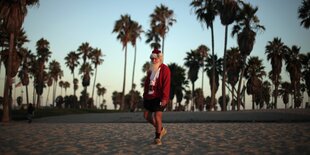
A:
<point x="156" y="53"/>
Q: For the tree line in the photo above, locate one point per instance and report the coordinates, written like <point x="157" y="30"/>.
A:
<point x="19" y="61"/>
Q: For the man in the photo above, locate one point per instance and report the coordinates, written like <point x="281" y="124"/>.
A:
<point x="156" y="94"/>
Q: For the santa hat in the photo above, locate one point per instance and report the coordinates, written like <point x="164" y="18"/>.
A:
<point x="156" y="53"/>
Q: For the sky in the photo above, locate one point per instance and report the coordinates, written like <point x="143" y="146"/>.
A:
<point x="67" y="24"/>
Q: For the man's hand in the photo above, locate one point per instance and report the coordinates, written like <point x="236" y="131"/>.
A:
<point x="163" y="103"/>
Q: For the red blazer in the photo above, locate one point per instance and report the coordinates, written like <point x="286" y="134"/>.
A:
<point x="162" y="86"/>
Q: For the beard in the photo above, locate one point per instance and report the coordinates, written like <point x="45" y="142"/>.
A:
<point x="154" y="67"/>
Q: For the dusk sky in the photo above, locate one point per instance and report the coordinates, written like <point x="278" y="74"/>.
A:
<point x="66" y="24"/>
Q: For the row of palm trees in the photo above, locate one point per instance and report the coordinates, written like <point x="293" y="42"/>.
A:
<point x="242" y="14"/>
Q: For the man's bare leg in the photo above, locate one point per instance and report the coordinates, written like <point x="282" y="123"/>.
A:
<point x="149" y="117"/>
<point x="158" y="119"/>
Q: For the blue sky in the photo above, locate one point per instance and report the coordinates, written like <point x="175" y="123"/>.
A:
<point x="67" y="24"/>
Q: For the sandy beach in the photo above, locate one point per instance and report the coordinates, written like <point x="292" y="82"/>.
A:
<point x="47" y="137"/>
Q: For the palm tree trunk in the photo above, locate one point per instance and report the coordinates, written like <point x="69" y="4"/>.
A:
<point x="253" y="101"/>
<point x="133" y="77"/>
<point x="224" y="72"/>
<point x="48" y="93"/>
<point x="276" y="92"/>
<point x="54" y="92"/>
<point x="163" y="44"/>
<point x="38" y="101"/>
<point x="134" y="66"/>
<point x="34" y="96"/>
<point x="202" y="77"/>
<point x="193" y="95"/>
<point x="92" y="96"/>
<point x="239" y="84"/>
<point x="27" y="96"/>
<point x="213" y="70"/>
<point x="73" y="83"/>
<point x="124" y="81"/>
<point x="8" y="83"/>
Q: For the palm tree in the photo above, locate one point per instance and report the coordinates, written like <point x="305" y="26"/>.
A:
<point x="87" y="70"/>
<point x="72" y="62"/>
<point x="209" y="67"/>
<point x="49" y="83"/>
<point x="123" y="28"/>
<point x="293" y="66"/>
<point x="43" y="54"/>
<point x="305" y="61"/>
<point x="233" y="70"/>
<point x="56" y="73"/>
<point x="206" y="10"/>
<point x="96" y="60"/>
<point x="199" y="99"/>
<point x="254" y="72"/>
<point x="66" y="85"/>
<point x="161" y="19"/>
<point x="192" y="61"/>
<point x="266" y="93"/>
<point x="228" y="14"/>
<point x="151" y="35"/>
<point x="304" y="13"/>
<point x="284" y="91"/>
<point x="136" y="32"/>
<point x="178" y="83"/>
<point x="275" y="51"/>
<point x="24" y="71"/>
<point x="247" y="21"/>
<point x="203" y="52"/>
<point x="12" y="14"/>
<point x="61" y="84"/>
<point x="85" y="50"/>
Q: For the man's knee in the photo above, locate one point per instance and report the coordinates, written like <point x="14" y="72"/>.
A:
<point x="146" y="115"/>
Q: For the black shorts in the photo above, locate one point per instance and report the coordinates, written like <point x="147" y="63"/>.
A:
<point x="153" y="105"/>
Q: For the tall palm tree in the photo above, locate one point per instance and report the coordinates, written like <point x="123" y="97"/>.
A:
<point x="275" y="51"/>
<point x="72" y="62"/>
<point x="123" y="28"/>
<point x="161" y="19"/>
<point x="203" y="51"/>
<point x="254" y="72"/>
<point x="43" y="54"/>
<point x="247" y="23"/>
<point x="233" y="70"/>
<point x="56" y="73"/>
<point x="206" y="10"/>
<point x="85" y="50"/>
<point x="293" y="66"/>
<point x="304" y="13"/>
<point x="96" y="58"/>
<point x="192" y="61"/>
<point x="12" y="14"/>
<point x="24" y="71"/>
<point x="136" y="33"/>
<point x="209" y="67"/>
<point x="228" y="13"/>
<point x="86" y="70"/>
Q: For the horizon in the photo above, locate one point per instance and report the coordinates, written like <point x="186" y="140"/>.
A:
<point x="68" y="24"/>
